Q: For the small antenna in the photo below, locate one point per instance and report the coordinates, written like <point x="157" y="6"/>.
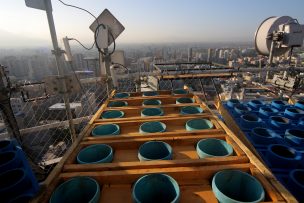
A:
<point x="67" y="48"/>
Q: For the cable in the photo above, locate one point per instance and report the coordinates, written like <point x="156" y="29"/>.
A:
<point x="95" y="39"/>
<point x="96" y="31"/>
<point x="82" y="44"/>
<point x="121" y="65"/>
<point x="79" y="9"/>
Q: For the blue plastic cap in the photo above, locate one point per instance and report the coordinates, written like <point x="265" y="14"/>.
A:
<point x="285" y="152"/>
<point x="234" y="186"/>
<point x="152" y="127"/>
<point x="77" y="190"/>
<point x="278" y="104"/>
<point x="256" y="104"/>
<point x="295" y="135"/>
<point x="151" y="102"/>
<point x="296" y="183"/>
<point x="241" y="109"/>
<point x="251" y="118"/>
<point x="150" y="93"/>
<point x="279" y="122"/>
<point x="179" y="91"/>
<point x="122" y="95"/>
<point x="249" y="121"/>
<point x="152" y="112"/>
<point x="184" y="100"/>
<point x="156" y="188"/>
<point x="14" y="182"/>
<point x="6" y="145"/>
<point x="293" y="113"/>
<point x="212" y="147"/>
<point x="268" y="111"/>
<point x="232" y="102"/>
<point x="191" y="110"/>
<point x="117" y="104"/>
<point x="198" y="124"/>
<point x="264" y="136"/>
<point x="282" y="156"/>
<point x="9" y="160"/>
<point x="108" y="129"/>
<point x="300" y="105"/>
<point x="93" y="154"/>
<point x="155" y="150"/>
<point x="112" y="114"/>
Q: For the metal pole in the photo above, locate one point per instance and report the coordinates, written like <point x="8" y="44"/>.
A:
<point x="6" y="109"/>
<point x="107" y="60"/>
<point x="59" y="63"/>
<point x="271" y="53"/>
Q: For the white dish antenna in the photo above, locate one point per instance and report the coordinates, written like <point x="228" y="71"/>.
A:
<point x="267" y="27"/>
<point x="113" y="25"/>
<point x="277" y="35"/>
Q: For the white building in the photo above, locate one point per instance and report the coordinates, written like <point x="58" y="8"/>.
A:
<point x="221" y="54"/>
<point x="17" y="104"/>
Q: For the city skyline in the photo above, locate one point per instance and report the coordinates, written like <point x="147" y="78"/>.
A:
<point x="145" y="21"/>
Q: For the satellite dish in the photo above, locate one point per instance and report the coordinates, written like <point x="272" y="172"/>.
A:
<point x="267" y="27"/>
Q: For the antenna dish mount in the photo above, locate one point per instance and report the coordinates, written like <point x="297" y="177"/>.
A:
<point x="277" y="35"/>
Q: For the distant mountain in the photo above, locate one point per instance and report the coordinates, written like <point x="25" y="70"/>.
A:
<point x="10" y="40"/>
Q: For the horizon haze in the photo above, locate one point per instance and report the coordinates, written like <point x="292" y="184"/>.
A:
<point x="209" y="21"/>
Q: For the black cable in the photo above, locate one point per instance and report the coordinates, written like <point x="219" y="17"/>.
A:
<point x="95" y="39"/>
<point x="82" y="44"/>
<point x="120" y="65"/>
<point x="96" y="31"/>
<point x="79" y="9"/>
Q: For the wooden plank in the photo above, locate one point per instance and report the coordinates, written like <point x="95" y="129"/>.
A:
<point x="152" y="135"/>
<point x="126" y="155"/>
<point x="199" y="75"/>
<point x="178" y="173"/>
<point x="136" y="141"/>
<point x="173" y="125"/>
<point x="137" y="101"/>
<point x="155" y="164"/>
<point x="140" y="94"/>
<point x="269" y="190"/>
<point x="134" y="113"/>
<point x="192" y="174"/>
<point x="165" y="96"/>
<point x="193" y="181"/>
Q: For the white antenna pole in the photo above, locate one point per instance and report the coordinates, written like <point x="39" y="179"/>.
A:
<point x="57" y="51"/>
<point x="59" y="63"/>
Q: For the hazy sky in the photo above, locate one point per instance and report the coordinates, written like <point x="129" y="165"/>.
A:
<point x="146" y="20"/>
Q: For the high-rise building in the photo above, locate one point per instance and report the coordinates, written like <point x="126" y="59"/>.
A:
<point x="209" y="58"/>
<point x="78" y="61"/>
<point x="189" y="54"/>
<point x="221" y="53"/>
<point x="216" y="54"/>
<point x="226" y="54"/>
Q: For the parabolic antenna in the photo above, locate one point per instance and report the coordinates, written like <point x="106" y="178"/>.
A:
<point x="267" y="27"/>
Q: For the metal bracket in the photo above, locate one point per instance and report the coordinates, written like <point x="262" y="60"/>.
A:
<point x="58" y="52"/>
<point x="54" y="84"/>
<point x="26" y="88"/>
